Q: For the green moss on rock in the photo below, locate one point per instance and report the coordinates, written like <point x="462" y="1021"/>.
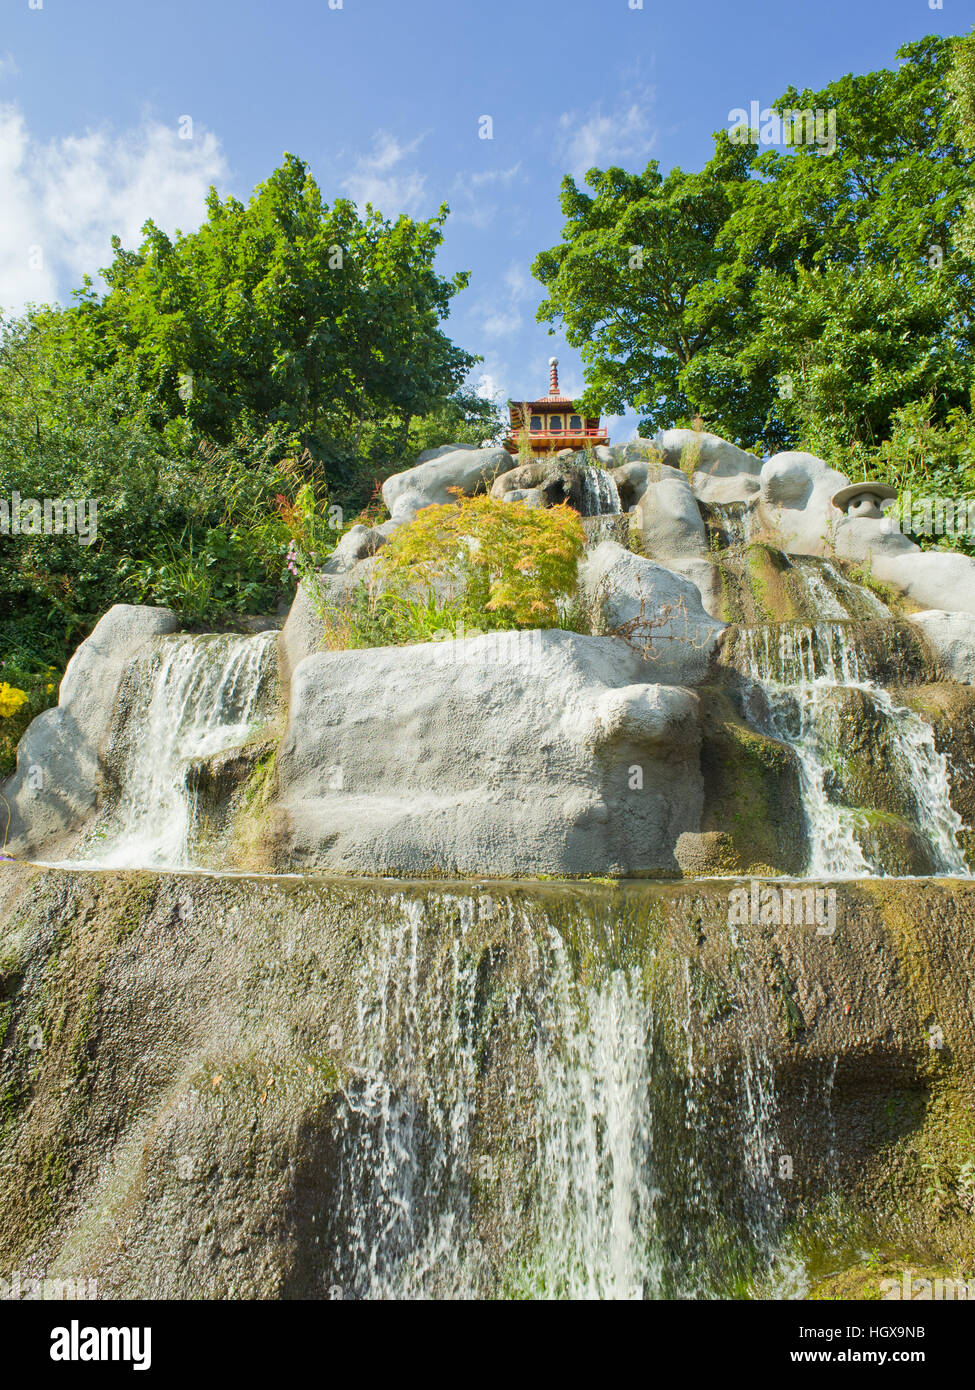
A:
<point x="752" y="804"/>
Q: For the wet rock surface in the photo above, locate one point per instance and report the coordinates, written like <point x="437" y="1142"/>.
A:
<point x="187" y="1066"/>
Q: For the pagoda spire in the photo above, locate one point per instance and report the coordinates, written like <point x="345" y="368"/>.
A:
<point x="553" y="376"/>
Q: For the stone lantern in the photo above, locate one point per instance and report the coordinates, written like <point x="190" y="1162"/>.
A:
<point x="864" y="499"/>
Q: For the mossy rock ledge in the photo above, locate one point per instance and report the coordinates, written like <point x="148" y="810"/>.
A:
<point x="183" y="1100"/>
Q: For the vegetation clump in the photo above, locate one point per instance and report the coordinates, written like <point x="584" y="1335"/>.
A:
<point x="459" y="569"/>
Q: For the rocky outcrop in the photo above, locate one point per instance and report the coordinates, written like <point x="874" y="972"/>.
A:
<point x="796" y="514"/>
<point x="669" y="520"/>
<point x="302" y="635"/>
<point x="358" y="543"/>
<point x="510" y="753"/>
<point x="229" y="1088"/>
<point x="633" y="478"/>
<point x="719" y="472"/>
<point x="54" y="787"/>
<point x="952" y="635"/>
<point x="436" y="472"/>
<point x="658" y="611"/>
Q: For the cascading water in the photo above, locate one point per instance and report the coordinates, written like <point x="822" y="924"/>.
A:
<point x="584" y="1165"/>
<point x="802" y="670"/>
<point x="599" y="493"/>
<point x="734" y="522"/>
<point x="194" y="696"/>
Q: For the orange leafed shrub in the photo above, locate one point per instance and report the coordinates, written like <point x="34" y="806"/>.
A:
<point x="515" y="562"/>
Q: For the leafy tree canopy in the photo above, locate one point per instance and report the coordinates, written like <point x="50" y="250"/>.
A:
<point x="784" y="292"/>
<point x="282" y="311"/>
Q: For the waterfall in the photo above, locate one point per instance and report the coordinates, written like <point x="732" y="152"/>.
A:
<point x="599" y="495"/>
<point x="822" y="599"/>
<point x="587" y="1168"/>
<point x="734" y="521"/>
<point x="194" y="696"/>
<point x="801" y="670"/>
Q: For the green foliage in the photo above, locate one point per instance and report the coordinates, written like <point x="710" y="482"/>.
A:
<point x="922" y="457"/>
<point x="285" y="344"/>
<point x="793" y="296"/>
<point x="463" y="418"/>
<point x="624" y="280"/>
<point x="39" y="684"/>
<point x="473" y="566"/>
<point x="284" y="311"/>
<point x="517" y="563"/>
<point x="962" y="87"/>
<point x="178" y="521"/>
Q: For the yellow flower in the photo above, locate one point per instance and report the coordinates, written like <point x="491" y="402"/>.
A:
<point x="11" y="700"/>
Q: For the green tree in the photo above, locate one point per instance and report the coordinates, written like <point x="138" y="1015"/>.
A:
<point x="826" y="290"/>
<point x="962" y="83"/>
<point x="624" y="281"/>
<point x="283" y="311"/>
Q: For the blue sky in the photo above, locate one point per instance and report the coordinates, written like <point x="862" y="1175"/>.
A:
<point x="383" y="98"/>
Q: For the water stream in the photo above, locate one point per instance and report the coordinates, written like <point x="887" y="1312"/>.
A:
<point x="599" y="493"/>
<point x="192" y="697"/>
<point x="806" y="672"/>
<point x="555" y="1139"/>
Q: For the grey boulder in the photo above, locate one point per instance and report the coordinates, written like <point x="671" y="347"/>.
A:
<point x="509" y="753"/>
<point x="952" y="635"/>
<point x="669" y="519"/>
<point x="55" y="784"/>
<point x="358" y="543"/>
<point x="436" y="472"/>
<point x="796" y="513"/>
<point x="719" y="471"/>
<point x="658" y="611"/>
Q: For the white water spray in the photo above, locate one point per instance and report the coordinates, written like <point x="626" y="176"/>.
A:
<point x="201" y="695"/>
<point x="801" y="669"/>
<point x="600" y="496"/>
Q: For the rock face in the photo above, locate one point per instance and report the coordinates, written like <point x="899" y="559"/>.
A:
<point x="632" y="479"/>
<point x="358" y="543"/>
<point x="659" y="610"/>
<point x="439" y="470"/>
<point x="55" y="783"/>
<point x="669" y="519"/>
<point x="510" y="753"/>
<point x="952" y="635"/>
<point x="205" y="1116"/>
<point x="719" y="471"/>
<point x="796" y="513"/>
<point x="302" y="635"/>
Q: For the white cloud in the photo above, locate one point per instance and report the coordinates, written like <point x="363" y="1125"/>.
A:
<point x="501" y="323"/>
<point x="487" y="385"/>
<point x="377" y="178"/>
<point x="64" y="199"/>
<point x="598" y="138"/>
<point x="8" y="66"/>
<point x="477" y="196"/>
<point x="500" y="316"/>
<point x="518" y="283"/>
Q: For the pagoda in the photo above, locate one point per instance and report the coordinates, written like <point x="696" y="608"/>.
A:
<point x="552" y="422"/>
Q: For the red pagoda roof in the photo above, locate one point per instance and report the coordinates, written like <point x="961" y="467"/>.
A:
<point x="543" y="438"/>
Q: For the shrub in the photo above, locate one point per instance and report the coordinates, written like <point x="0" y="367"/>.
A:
<point x="478" y="564"/>
<point x="514" y="564"/>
